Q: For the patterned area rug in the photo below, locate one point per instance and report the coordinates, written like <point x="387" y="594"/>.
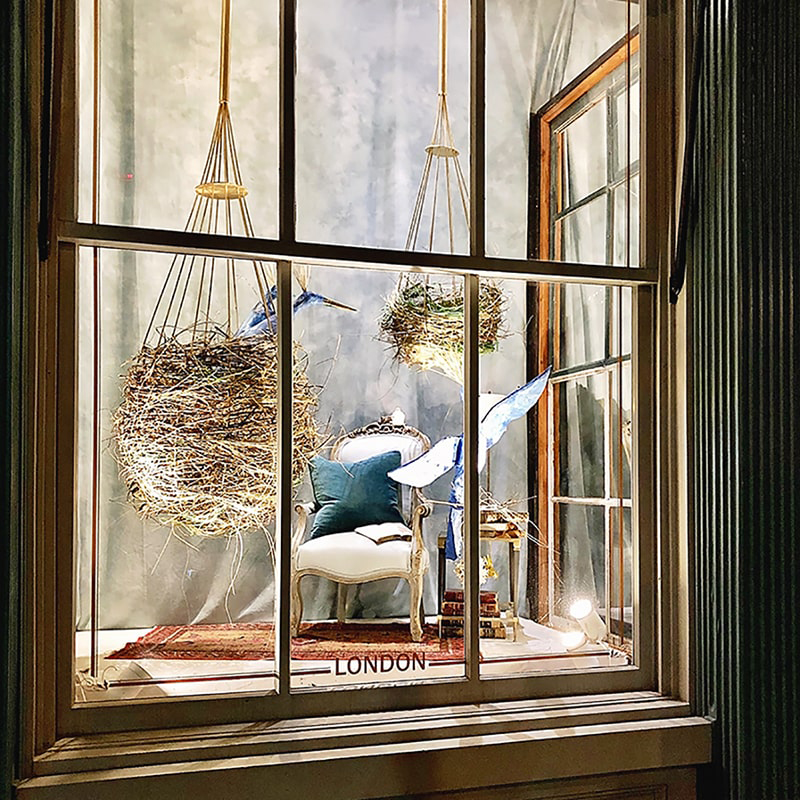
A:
<point x="249" y="641"/>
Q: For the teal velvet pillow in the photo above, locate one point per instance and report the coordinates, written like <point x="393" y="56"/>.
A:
<point x="349" y="495"/>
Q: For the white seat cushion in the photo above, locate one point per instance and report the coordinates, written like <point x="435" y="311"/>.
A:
<point x="351" y="555"/>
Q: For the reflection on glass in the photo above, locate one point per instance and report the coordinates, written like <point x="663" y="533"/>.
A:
<point x="374" y="601"/>
<point x="175" y="535"/>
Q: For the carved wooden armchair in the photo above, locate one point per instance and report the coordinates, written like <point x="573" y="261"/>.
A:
<point x="348" y="557"/>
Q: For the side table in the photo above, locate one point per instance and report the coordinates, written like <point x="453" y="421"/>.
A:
<point x="491" y="531"/>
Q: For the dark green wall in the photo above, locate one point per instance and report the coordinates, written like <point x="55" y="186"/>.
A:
<point x="12" y="162"/>
<point x="744" y="280"/>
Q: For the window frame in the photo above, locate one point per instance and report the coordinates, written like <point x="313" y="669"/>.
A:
<point x="547" y="130"/>
<point x="53" y="713"/>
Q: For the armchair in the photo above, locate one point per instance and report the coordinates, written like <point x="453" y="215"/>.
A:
<point x="347" y="557"/>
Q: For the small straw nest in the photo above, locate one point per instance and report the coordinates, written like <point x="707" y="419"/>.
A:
<point x="424" y="323"/>
<point x="196" y="433"/>
<point x="493" y="511"/>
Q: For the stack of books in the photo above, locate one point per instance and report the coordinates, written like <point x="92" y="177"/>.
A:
<point x="451" y="622"/>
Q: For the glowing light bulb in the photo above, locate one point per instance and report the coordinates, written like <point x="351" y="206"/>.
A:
<point x="590" y="621"/>
<point x="581" y="609"/>
<point x="573" y="640"/>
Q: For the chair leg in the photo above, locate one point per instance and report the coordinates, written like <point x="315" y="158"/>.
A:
<point x="341" y="602"/>
<point x="415" y="589"/>
<point x="297" y="605"/>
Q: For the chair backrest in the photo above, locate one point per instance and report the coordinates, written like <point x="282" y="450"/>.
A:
<point x="381" y="437"/>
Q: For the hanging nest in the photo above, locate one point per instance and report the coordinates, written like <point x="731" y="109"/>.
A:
<point x="196" y="433"/>
<point x="424" y="324"/>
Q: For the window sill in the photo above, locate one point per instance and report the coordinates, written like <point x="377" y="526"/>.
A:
<point x="382" y="754"/>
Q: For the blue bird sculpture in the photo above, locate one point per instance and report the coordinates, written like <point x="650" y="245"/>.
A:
<point x="265" y="320"/>
<point x="448" y="453"/>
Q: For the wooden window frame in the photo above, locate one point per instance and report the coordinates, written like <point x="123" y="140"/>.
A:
<point x="544" y="302"/>
<point x="49" y="714"/>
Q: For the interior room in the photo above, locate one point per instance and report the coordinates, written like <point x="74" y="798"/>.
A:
<point x="175" y="596"/>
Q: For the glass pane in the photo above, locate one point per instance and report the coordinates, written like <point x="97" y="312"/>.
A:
<point x="582" y="324"/>
<point x="174" y="530"/>
<point x="626" y="109"/>
<point x="583" y="161"/>
<point x="583" y="547"/>
<point x="537" y="553"/>
<point x="620" y="600"/>
<point x="536" y="55"/>
<point x="388" y="377"/>
<point x="583" y="233"/>
<point x="626" y="224"/>
<point x="367" y="104"/>
<point x="159" y="119"/>
<point x="580" y="406"/>
<point x="621" y="431"/>
<point x="620" y="321"/>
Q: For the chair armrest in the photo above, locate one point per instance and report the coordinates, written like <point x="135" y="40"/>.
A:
<point x="422" y="505"/>
<point x="422" y="508"/>
<point x="303" y="511"/>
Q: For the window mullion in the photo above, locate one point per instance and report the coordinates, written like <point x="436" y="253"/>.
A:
<point x="478" y="128"/>
<point x="284" y="465"/>
<point x="157" y="240"/>
<point x="287" y="216"/>
<point x="471" y="541"/>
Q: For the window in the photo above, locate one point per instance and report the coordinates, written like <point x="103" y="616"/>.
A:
<point x="216" y="360"/>
<point x="587" y="186"/>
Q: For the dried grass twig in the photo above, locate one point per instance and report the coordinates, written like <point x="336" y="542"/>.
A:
<point x="424" y="323"/>
<point x="196" y="433"/>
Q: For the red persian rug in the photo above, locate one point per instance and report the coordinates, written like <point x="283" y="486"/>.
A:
<point x="252" y="641"/>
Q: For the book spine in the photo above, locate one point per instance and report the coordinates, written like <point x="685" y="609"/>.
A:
<point x="492" y="622"/>
<point x="457" y="610"/>
<point x="485" y="633"/>
<point x="457" y="596"/>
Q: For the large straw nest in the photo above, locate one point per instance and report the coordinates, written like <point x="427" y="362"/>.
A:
<point x="196" y="433"/>
<point x="423" y="321"/>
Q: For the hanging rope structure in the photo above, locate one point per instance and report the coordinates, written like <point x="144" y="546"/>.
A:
<point x="196" y="432"/>
<point x="423" y="320"/>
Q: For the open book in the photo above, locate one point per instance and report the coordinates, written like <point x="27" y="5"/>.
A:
<point x="385" y="532"/>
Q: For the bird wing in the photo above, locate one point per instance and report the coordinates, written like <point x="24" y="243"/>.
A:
<point x="511" y="407"/>
<point x="256" y="316"/>
<point x="430" y="465"/>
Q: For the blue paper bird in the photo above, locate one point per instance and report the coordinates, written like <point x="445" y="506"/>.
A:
<point x="261" y="320"/>
<point x="448" y="453"/>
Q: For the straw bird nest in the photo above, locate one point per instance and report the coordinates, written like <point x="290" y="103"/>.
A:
<point x="424" y="324"/>
<point x="196" y="433"/>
